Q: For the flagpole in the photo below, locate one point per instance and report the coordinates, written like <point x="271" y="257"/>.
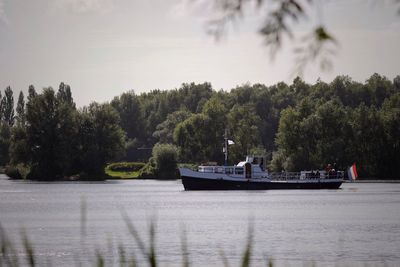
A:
<point x="226" y="146"/>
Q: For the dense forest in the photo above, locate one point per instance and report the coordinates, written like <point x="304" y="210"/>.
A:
<point x="298" y="126"/>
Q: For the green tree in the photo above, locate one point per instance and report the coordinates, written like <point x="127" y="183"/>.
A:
<point x="7" y="104"/>
<point x="396" y="83"/>
<point x="195" y="95"/>
<point x="19" y="147"/>
<point x="101" y="138"/>
<point x="379" y="88"/>
<point x="42" y="135"/>
<point x="311" y="135"/>
<point x="165" y="130"/>
<point x="243" y="124"/>
<point x="51" y="134"/>
<point x="390" y="115"/>
<point x="5" y="135"/>
<point x="64" y="95"/>
<point x="66" y="130"/>
<point x="1" y="107"/>
<point x="368" y="134"/>
<point x="191" y="136"/>
<point x="129" y="110"/>
<point x="20" y="109"/>
<point x="216" y="111"/>
<point x="31" y="92"/>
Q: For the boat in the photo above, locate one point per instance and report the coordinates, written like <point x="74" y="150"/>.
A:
<point x="252" y="174"/>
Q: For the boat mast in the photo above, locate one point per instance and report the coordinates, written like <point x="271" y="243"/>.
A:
<point x="226" y="146"/>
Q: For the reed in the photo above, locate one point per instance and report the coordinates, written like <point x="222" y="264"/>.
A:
<point x="9" y="257"/>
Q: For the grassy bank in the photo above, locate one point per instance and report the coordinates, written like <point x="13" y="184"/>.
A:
<point x="123" y="175"/>
<point x="124" y="170"/>
<point x="138" y="170"/>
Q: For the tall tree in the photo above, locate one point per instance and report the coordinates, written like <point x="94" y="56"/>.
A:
<point x="101" y="138"/>
<point x="8" y="106"/>
<point x="31" y="92"/>
<point x="67" y="129"/>
<point x="390" y="115"/>
<point x="20" y="109"/>
<point x="216" y="111"/>
<point x="64" y="94"/>
<point x="130" y="113"/>
<point x="42" y="135"/>
<point x="191" y="136"/>
<point x="5" y="135"/>
<point x="1" y="107"/>
<point x="243" y="124"/>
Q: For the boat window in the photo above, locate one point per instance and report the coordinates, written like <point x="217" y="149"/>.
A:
<point x="206" y="169"/>
<point x="238" y="170"/>
<point x="229" y="170"/>
<point x="219" y="170"/>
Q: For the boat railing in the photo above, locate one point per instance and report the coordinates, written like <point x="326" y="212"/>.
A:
<point x="284" y="176"/>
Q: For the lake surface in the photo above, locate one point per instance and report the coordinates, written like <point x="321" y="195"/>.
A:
<point x="357" y="225"/>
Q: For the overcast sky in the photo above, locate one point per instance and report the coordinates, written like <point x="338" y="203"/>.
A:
<point x="105" y="47"/>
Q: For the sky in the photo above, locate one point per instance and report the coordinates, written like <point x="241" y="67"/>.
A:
<point x="102" y="48"/>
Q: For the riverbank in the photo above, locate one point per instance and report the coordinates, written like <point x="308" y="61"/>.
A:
<point x="374" y="181"/>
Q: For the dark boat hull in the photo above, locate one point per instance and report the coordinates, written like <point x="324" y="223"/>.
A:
<point x="193" y="183"/>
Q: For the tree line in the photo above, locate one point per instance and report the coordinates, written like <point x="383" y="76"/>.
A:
<point x="298" y="125"/>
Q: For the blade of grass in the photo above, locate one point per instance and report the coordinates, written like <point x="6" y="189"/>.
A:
<point x="224" y="258"/>
<point x="83" y="217"/>
<point x="150" y="254"/>
<point x="8" y="255"/>
<point x="99" y="259"/>
<point x="28" y="249"/>
<point x="134" y="233"/>
<point x="185" y="253"/>
<point x="247" y="253"/>
<point x="122" y="257"/>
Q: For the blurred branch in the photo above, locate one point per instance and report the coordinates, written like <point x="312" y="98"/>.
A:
<point x="228" y="11"/>
<point x="276" y="24"/>
<point x="318" y="46"/>
<point x="276" y="21"/>
<point x="398" y="3"/>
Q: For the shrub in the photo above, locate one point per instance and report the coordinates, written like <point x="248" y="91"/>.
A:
<point x="165" y="158"/>
<point x="149" y="170"/>
<point x="19" y="171"/>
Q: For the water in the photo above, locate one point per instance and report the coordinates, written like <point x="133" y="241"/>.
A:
<point x="357" y="225"/>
